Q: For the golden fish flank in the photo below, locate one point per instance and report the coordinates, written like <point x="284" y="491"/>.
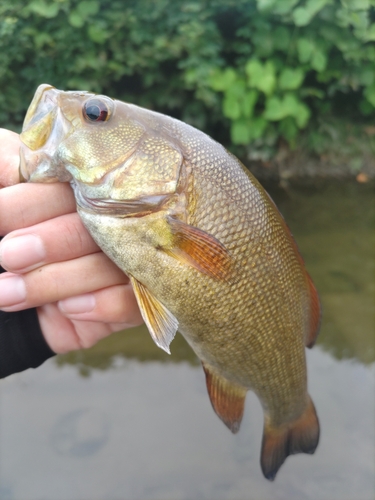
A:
<point x="206" y="250"/>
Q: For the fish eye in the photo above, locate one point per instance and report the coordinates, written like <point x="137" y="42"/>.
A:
<point x="96" y="110"/>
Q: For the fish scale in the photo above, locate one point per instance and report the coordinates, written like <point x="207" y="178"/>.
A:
<point x="204" y="246"/>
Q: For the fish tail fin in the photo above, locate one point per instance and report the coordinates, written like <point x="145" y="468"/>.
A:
<point x="299" y="436"/>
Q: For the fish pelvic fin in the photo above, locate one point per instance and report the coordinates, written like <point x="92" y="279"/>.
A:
<point x="200" y="250"/>
<point x="227" y="398"/>
<point x="315" y="314"/>
<point x="160" y="322"/>
<point x="299" y="436"/>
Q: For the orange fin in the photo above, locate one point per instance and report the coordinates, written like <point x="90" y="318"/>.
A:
<point x="315" y="311"/>
<point x="227" y="398"/>
<point x="199" y="249"/>
<point x="160" y="322"/>
<point x="300" y="436"/>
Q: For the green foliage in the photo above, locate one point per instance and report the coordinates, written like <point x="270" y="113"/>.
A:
<point x="255" y="69"/>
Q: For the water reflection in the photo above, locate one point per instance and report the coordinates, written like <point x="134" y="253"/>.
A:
<point x="80" y="433"/>
<point x="334" y="226"/>
<point x="141" y="426"/>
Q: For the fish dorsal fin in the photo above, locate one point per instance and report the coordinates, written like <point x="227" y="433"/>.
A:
<point x="227" y="398"/>
<point x="161" y="323"/>
<point x="199" y="249"/>
<point x="315" y="314"/>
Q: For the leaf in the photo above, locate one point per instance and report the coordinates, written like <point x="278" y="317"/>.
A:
<point x="290" y="104"/>
<point x="278" y="109"/>
<point x="44" y="9"/>
<point x="291" y="78"/>
<point x="261" y="76"/>
<point x="231" y="107"/>
<point x="257" y="127"/>
<point x="243" y="131"/>
<point x="254" y="69"/>
<point x="267" y="84"/>
<point x="370" y="34"/>
<point x="356" y="4"/>
<point x="238" y="101"/>
<point x="274" y="109"/>
<point x="369" y="93"/>
<point x="249" y="101"/>
<point x="42" y="39"/>
<point x="97" y="34"/>
<point x="288" y="128"/>
<point x="281" y="38"/>
<point x="366" y="76"/>
<point x="265" y="4"/>
<point x="319" y="60"/>
<point x="88" y="8"/>
<point x="284" y="6"/>
<point x="365" y="107"/>
<point x="240" y="131"/>
<point x="303" y="15"/>
<point x="302" y="115"/>
<point x="75" y="19"/>
<point x="221" y="80"/>
<point x="305" y="49"/>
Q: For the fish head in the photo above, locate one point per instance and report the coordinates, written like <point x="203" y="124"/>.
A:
<point x="106" y="148"/>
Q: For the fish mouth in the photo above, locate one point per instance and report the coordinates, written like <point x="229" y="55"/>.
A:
<point x="42" y="129"/>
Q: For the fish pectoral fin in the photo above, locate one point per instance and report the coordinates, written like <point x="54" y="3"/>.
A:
<point x="299" y="436"/>
<point x="199" y="249"/>
<point x="227" y="398"/>
<point x="160" y="322"/>
<point x="315" y="314"/>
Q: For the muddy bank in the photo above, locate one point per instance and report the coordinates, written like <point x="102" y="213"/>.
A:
<point x="340" y="151"/>
<point x="299" y="165"/>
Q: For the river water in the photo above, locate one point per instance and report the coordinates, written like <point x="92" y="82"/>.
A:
<point x="125" y="421"/>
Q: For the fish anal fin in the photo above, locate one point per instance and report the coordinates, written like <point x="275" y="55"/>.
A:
<point x="160" y="322"/>
<point x="199" y="249"/>
<point x="227" y="398"/>
<point x="315" y="314"/>
<point x="299" y="436"/>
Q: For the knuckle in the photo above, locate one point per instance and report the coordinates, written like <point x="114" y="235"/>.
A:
<point x="77" y="240"/>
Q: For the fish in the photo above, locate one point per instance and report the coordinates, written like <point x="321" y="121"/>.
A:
<point x="205" y="248"/>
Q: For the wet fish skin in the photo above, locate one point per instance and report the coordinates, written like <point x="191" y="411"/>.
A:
<point x="206" y="250"/>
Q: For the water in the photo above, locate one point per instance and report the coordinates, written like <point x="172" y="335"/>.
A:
<point x="125" y="421"/>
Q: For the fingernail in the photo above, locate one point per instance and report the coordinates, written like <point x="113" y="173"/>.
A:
<point x="12" y="290"/>
<point x="78" y="305"/>
<point x="22" y="252"/>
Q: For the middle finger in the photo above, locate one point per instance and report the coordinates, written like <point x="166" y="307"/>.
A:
<point x="58" y="281"/>
<point x="55" y="240"/>
<point x="24" y="205"/>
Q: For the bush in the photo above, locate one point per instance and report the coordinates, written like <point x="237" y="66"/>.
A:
<point x="246" y="71"/>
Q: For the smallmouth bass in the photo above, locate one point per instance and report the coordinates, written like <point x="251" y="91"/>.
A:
<point x="204" y="246"/>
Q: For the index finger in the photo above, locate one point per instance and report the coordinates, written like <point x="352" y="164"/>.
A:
<point x="27" y="204"/>
<point x="9" y="157"/>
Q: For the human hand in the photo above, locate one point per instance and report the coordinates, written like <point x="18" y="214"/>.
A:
<point x="53" y="263"/>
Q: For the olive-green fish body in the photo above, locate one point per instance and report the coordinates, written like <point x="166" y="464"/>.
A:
<point x="205" y="248"/>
